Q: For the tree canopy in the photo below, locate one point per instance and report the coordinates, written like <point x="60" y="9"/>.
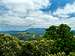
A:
<point x="57" y="41"/>
<point x="63" y="36"/>
<point x="62" y="31"/>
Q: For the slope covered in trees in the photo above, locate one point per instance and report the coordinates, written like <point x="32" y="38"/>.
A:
<point x="57" y="41"/>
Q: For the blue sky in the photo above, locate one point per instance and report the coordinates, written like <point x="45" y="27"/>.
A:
<point x="57" y="4"/>
<point x="20" y="15"/>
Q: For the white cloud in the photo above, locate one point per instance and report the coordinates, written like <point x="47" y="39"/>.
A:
<point x="23" y="13"/>
<point x="28" y="3"/>
<point x="70" y="22"/>
<point x="69" y="8"/>
<point x="22" y="7"/>
<point x="63" y="13"/>
<point x="14" y="21"/>
<point x="41" y="20"/>
<point x="26" y="13"/>
<point x="35" y="19"/>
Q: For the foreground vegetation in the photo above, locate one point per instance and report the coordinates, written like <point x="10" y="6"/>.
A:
<point x="57" y="41"/>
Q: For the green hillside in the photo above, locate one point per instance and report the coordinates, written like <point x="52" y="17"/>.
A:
<point x="56" y="41"/>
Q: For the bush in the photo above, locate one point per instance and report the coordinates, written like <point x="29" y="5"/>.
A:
<point x="9" y="46"/>
<point x="63" y="37"/>
<point x="58" y="41"/>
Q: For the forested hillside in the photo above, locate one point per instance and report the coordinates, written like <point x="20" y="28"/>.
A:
<point x="56" y="41"/>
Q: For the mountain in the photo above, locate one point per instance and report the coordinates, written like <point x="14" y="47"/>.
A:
<point x="27" y="34"/>
<point x="36" y="30"/>
<point x="30" y="30"/>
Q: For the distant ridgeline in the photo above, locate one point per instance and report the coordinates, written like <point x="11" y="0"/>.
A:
<point x="24" y="35"/>
<point x="38" y="31"/>
<point x="29" y="33"/>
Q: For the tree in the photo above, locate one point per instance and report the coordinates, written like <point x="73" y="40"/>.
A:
<point x="9" y="46"/>
<point x="63" y="36"/>
<point x="64" y="31"/>
<point x="51" y="32"/>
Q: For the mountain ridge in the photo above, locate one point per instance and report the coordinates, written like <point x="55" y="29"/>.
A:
<point x="30" y="30"/>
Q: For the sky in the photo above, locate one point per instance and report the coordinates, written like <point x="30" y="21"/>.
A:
<point x="19" y="15"/>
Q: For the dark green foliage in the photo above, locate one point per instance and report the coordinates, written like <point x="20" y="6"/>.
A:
<point x="51" y="32"/>
<point x="62" y="31"/>
<point x="57" y="41"/>
<point x="63" y="36"/>
<point x="9" y="46"/>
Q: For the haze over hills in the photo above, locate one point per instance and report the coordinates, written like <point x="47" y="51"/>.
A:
<point x="30" y="30"/>
<point x="38" y="31"/>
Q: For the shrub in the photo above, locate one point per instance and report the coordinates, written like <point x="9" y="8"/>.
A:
<point x="9" y="46"/>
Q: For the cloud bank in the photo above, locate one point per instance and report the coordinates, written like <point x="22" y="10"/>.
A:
<point x="24" y="14"/>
